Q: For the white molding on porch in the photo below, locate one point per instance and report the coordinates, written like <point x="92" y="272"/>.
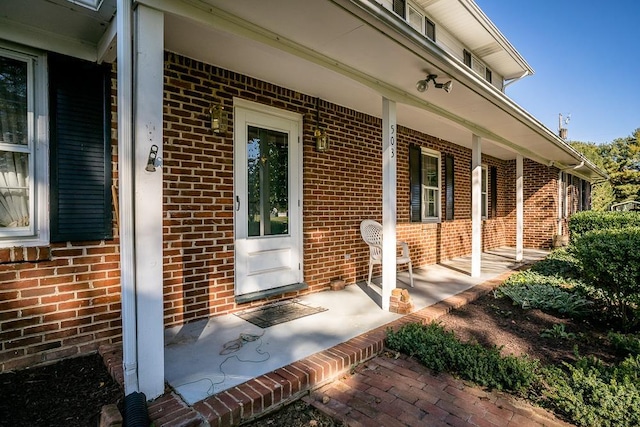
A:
<point x="148" y="93"/>
<point x="125" y="177"/>
<point x="389" y="200"/>
<point x="476" y="206"/>
<point x="519" y="208"/>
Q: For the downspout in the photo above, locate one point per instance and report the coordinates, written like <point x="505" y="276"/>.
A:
<point x="125" y="177"/>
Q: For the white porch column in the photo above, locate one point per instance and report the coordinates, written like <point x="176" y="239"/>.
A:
<point x="476" y="206"/>
<point x="519" y="208"/>
<point x="125" y="188"/>
<point x="389" y="161"/>
<point x="148" y="91"/>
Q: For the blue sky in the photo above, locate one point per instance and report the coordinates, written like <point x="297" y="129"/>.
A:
<point x="586" y="58"/>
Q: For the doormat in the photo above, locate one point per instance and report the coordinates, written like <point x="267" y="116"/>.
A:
<point x="274" y="314"/>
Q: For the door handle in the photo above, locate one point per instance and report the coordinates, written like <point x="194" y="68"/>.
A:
<point x="237" y="203"/>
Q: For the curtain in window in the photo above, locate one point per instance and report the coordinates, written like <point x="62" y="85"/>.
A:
<point x="14" y="161"/>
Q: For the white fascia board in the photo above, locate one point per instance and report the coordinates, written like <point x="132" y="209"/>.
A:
<point x="490" y="27"/>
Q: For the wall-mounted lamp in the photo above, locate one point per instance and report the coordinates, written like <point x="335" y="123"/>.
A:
<point x="322" y="139"/>
<point x="219" y="119"/>
<point x="423" y="85"/>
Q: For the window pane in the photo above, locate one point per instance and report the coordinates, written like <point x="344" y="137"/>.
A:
<point x="415" y="19"/>
<point x="268" y="178"/>
<point x="430" y="29"/>
<point x="13" y="101"/>
<point x="430" y="171"/>
<point x="14" y="189"/>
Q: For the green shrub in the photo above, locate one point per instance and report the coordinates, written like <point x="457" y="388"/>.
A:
<point x="560" y="263"/>
<point x="585" y="221"/>
<point x="610" y="261"/>
<point x="529" y="289"/>
<point x="440" y="350"/>
<point x="591" y="393"/>
<point x="625" y="344"/>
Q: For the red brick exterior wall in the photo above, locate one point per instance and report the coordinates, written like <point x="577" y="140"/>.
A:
<point x="64" y="300"/>
<point x="60" y="300"/>
<point x="341" y="188"/>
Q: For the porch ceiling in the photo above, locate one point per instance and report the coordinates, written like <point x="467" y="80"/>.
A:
<point x="350" y="52"/>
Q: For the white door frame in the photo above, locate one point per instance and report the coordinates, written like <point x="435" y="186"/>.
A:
<point x="266" y="249"/>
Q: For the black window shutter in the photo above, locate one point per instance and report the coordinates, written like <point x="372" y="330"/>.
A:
<point x="399" y="7"/>
<point x="493" y="183"/>
<point x="415" y="182"/>
<point x="449" y="191"/>
<point x="80" y="155"/>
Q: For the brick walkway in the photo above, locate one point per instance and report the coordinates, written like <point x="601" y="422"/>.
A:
<point x="390" y="392"/>
<point x="379" y="391"/>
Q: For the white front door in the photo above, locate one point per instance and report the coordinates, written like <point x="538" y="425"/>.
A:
<point x="268" y="199"/>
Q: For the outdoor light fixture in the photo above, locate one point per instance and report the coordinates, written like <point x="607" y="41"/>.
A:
<point x="322" y="139"/>
<point x="219" y="119"/>
<point x="423" y="85"/>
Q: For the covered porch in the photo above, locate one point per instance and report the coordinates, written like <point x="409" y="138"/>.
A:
<point x="206" y="358"/>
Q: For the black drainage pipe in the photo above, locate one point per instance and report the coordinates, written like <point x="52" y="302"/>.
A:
<point x="135" y="410"/>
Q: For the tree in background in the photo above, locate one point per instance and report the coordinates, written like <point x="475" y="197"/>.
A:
<point x="620" y="159"/>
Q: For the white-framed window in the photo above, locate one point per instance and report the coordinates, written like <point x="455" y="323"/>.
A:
<point x="420" y="22"/>
<point x="431" y="185"/>
<point x="485" y="188"/>
<point x="23" y="153"/>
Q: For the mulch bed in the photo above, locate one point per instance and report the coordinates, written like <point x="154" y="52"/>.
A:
<point x="67" y="394"/>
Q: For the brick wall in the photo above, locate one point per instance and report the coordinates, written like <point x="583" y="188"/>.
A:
<point x="540" y="204"/>
<point x="60" y="300"/>
<point x="341" y="188"/>
<point x="64" y="299"/>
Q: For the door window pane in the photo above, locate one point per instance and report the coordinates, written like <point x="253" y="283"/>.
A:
<point x="268" y="182"/>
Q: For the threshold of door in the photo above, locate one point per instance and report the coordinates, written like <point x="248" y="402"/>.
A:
<point x="271" y="292"/>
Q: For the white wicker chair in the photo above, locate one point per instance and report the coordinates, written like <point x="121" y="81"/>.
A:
<point x="371" y="232"/>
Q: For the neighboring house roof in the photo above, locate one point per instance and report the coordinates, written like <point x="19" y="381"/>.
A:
<point x="350" y="52"/>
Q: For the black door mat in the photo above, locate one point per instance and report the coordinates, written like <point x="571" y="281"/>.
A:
<point x="274" y="314"/>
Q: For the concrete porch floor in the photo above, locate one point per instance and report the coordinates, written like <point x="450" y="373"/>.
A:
<point x="287" y="360"/>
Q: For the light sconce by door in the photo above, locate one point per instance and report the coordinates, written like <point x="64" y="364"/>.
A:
<point x="219" y="119"/>
<point x="322" y="139"/>
<point x="423" y="85"/>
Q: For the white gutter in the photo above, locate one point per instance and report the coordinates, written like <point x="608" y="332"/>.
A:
<point x="125" y="177"/>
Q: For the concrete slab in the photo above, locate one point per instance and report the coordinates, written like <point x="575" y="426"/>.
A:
<point x="206" y="357"/>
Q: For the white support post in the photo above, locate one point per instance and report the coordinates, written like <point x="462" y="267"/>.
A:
<point x="149" y="70"/>
<point x="125" y="188"/>
<point x="561" y="202"/>
<point x="476" y="206"/>
<point x="519" y="208"/>
<point x="389" y="166"/>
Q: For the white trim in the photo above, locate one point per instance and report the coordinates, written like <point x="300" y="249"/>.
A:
<point x="476" y="206"/>
<point x="126" y="192"/>
<point x="148" y="116"/>
<point x="262" y="115"/>
<point x="423" y="217"/>
<point x="519" y="208"/>
<point x="389" y="199"/>
<point x="37" y="233"/>
<point x="484" y="190"/>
